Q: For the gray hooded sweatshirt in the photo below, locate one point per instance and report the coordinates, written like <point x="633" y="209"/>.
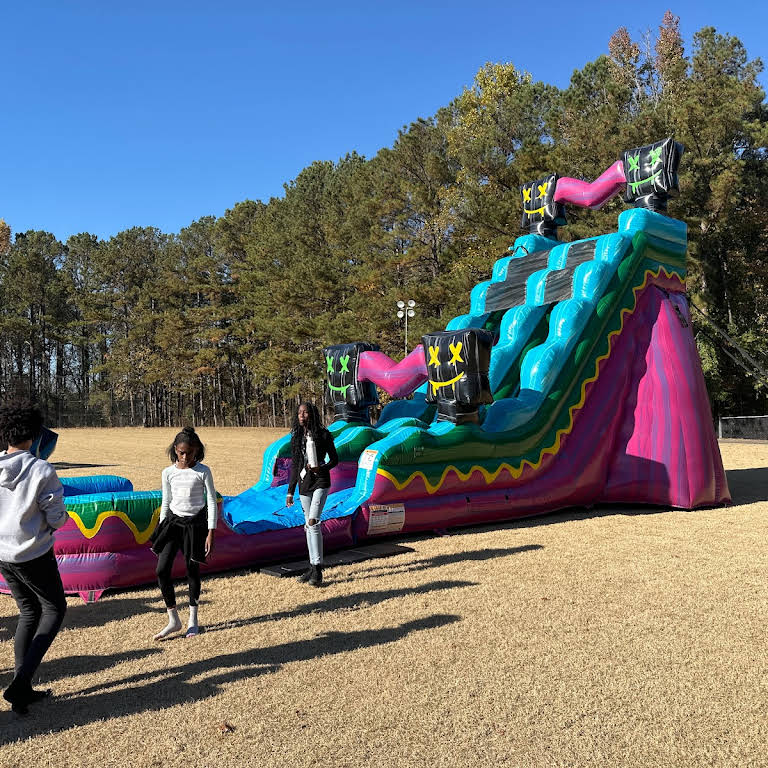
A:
<point x="31" y="506"/>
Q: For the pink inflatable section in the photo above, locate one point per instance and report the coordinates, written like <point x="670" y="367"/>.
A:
<point x="105" y="544"/>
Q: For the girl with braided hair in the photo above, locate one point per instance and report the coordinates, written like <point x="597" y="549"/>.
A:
<point x="311" y="444"/>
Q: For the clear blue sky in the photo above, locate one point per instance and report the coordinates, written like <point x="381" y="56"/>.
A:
<point x="157" y="113"/>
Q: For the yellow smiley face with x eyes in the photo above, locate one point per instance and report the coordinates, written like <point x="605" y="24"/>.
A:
<point x="528" y="196"/>
<point x="434" y="360"/>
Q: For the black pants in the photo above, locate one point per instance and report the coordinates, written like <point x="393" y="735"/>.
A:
<point x="37" y="589"/>
<point x="165" y="560"/>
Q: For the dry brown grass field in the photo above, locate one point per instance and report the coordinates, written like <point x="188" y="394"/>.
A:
<point x="610" y="637"/>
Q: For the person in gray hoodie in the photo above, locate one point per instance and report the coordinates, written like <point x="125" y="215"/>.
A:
<point x="31" y="509"/>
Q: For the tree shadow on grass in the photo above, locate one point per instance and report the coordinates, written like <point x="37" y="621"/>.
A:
<point x="341" y="602"/>
<point x="479" y="555"/>
<point x="162" y="688"/>
<point x="83" y="615"/>
<point x="748" y="486"/>
<point x="61" y="465"/>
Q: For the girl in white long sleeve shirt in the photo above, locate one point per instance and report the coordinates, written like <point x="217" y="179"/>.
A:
<point x="188" y="518"/>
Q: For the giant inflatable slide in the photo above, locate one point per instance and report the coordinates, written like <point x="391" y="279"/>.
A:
<point x="573" y="380"/>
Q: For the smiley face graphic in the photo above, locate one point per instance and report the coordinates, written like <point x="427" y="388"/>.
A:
<point x="351" y="398"/>
<point x="540" y="211"/>
<point x="434" y="360"/>
<point x="651" y="173"/>
<point x="343" y="361"/>
<point x="457" y="370"/>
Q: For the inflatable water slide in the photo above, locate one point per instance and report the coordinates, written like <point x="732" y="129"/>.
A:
<point x="573" y="380"/>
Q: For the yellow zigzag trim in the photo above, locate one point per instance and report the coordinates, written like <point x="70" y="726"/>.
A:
<point x="140" y="536"/>
<point x="515" y="472"/>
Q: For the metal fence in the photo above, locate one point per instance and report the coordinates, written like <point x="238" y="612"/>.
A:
<point x="743" y="427"/>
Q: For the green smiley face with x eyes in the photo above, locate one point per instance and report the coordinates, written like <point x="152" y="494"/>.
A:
<point x="654" y="159"/>
<point x="344" y="362"/>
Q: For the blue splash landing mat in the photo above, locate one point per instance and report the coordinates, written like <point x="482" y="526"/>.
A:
<point x="257" y="510"/>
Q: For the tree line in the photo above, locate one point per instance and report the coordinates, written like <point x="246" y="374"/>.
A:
<point x="222" y="323"/>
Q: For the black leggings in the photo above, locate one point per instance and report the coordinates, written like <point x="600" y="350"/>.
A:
<point x="165" y="566"/>
<point x="36" y="587"/>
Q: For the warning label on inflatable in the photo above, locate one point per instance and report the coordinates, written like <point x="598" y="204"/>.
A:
<point x="385" y="518"/>
<point x="367" y="459"/>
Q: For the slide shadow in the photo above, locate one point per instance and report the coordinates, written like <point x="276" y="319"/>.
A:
<point x="561" y="516"/>
<point x="748" y="486"/>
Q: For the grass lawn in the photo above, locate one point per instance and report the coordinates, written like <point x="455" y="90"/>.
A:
<point x="610" y="637"/>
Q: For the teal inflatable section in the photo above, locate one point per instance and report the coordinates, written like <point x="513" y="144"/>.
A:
<point x="78" y="486"/>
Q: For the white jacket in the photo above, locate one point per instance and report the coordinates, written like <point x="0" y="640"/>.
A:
<point x="31" y="506"/>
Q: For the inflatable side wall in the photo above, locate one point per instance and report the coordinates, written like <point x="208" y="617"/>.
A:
<point x="105" y="542"/>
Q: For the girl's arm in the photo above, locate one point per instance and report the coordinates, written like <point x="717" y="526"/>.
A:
<point x="50" y="500"/>
<point x="166" y="503"/>
<point x="330" y="449"/>
<point x="210" y="493"/>
<point x="293" y="477"/>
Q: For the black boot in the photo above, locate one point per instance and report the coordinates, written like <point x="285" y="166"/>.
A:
<point x="316" y="579"/>
<point x="306" y="575"/>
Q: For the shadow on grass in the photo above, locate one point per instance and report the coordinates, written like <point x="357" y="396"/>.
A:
<point x="77" y="465"/>
<point x="72" y="666"/>
<point x="162" y="688"/>
<point x="479" y="555"/>
<point x="8" y="623"/>
<point x="555" y="518"/>
<point x="748" y="486"/>
<point x="83" y="615"/>
<point x="341" y="602"/>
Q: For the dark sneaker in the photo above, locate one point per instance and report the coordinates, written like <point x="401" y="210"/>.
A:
<point x="18" y="694"/>
<point x="39" y="694"/>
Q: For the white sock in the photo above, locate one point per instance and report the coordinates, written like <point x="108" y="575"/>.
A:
<point x="192" y="628"/>
<point x="173" y="625"/>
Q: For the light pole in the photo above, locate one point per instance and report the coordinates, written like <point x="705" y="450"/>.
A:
<point x="405" y="309"/>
